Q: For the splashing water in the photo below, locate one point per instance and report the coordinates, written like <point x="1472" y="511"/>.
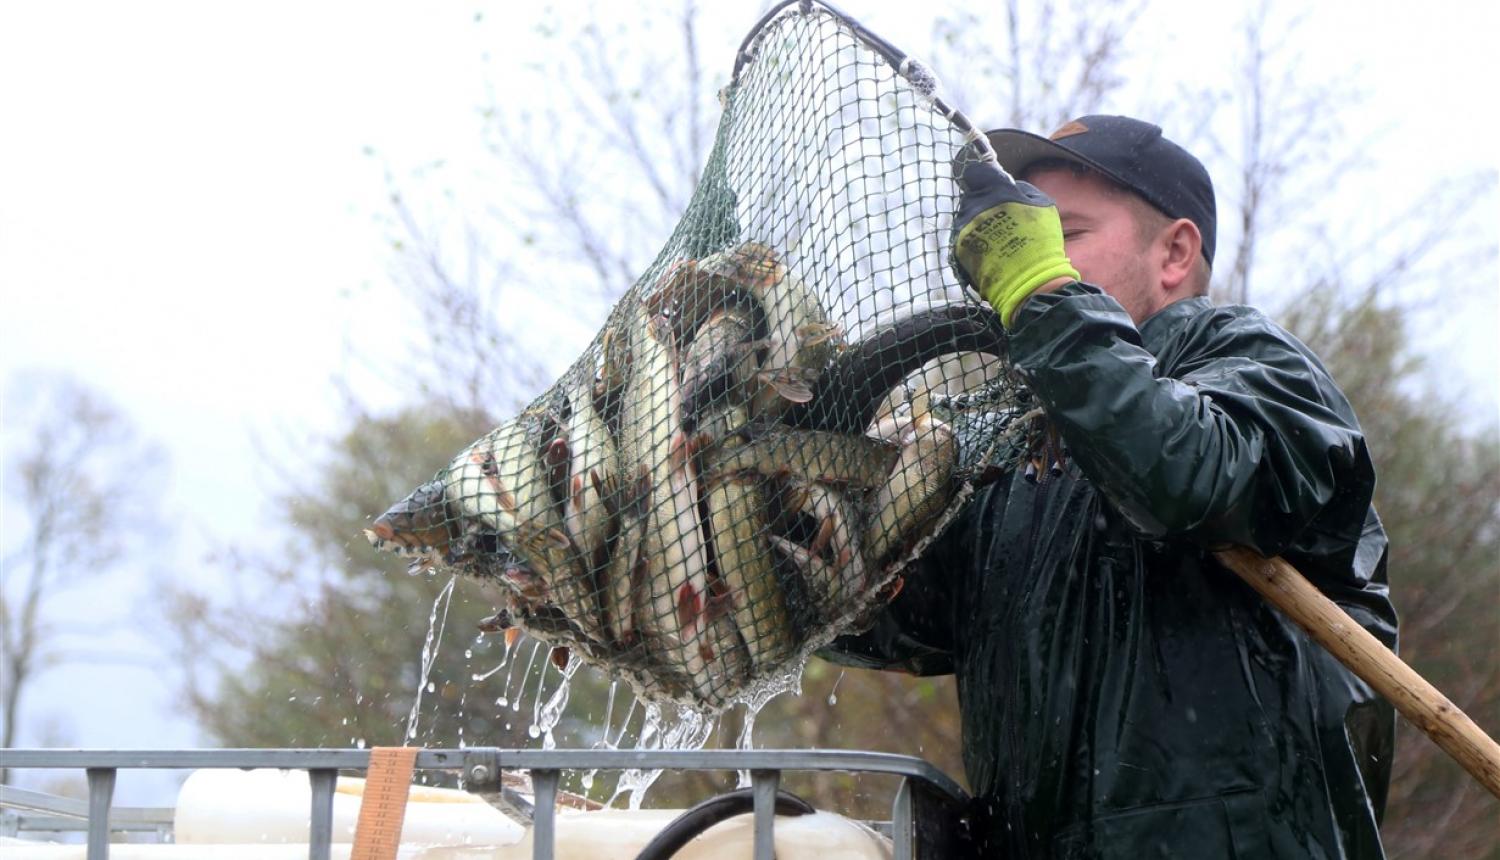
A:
<point x="551" y="712"/>
<point x="659" y="727"/>
<point x="687" y="728"/>
<point x="791" y="682"/>
<point x="430" y="650"/>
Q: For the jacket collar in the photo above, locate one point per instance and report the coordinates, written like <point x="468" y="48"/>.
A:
<point x="1158" y="328"/>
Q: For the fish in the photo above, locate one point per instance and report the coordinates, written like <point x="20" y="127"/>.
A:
<point x="832" y="564"/>
<point x="718" y="366"/>
<point x="671" y="573"/>
<point x="610" y="377"/>
<point x="503" y="483"/>
<point x="798" y="339"/>
<point x="624" y="571"/>
<point x="801" y="339"/>
<point x="920" y="486"/>
<point x="420" y="525"/>
<point x="587" y="520"/>
<point x="746" y="565"/>
<point x="812" y="455"/>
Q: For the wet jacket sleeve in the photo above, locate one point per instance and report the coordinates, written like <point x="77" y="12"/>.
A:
<point x="1247" y="441"/>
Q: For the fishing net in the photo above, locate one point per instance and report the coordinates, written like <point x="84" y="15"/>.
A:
<point x="775" y="418"/>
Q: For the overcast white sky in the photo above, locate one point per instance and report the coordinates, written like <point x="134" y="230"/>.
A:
<point x="188" y="222"/>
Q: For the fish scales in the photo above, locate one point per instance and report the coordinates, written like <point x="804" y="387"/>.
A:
<point x="501" y="481"/>
<point x="586" y="517"/>
<point x="919" y="487"/>
<point x="814" y="455"/>
<point x="747" y="566"/>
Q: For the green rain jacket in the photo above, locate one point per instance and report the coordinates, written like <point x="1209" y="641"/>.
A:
<point x="1122" y="694"/>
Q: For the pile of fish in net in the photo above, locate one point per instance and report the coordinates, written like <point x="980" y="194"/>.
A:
<point x="775" y="419"/>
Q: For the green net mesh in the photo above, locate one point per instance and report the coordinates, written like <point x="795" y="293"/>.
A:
<point x="778" y="415"/>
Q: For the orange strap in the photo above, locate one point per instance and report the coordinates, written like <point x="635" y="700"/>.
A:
<point x="383" y="808"/>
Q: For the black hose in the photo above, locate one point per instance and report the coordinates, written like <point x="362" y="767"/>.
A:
<point x="691" y="823"/>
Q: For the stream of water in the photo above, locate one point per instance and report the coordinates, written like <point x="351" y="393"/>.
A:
<point x="533" y="685"/>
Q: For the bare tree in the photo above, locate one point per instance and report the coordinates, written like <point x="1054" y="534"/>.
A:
<point x="82" y="481"/>
<point x="1012" y="72"/>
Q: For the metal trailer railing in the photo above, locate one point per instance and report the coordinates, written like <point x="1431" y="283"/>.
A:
<point x="925" y="816"/>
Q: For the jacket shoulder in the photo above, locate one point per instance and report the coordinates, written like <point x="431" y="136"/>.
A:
<point x="1239" y="345"/>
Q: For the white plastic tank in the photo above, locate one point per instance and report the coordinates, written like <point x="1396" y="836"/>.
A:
<point x="263" y="814"/>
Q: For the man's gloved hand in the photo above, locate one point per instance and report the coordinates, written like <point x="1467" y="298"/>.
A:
<point x="1007" y="239"/>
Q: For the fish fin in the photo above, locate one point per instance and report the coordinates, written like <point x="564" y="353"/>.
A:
<point x="788" y="383"/>
<point x="678" y="452"/>
<point x="796" y="553"/>
<point x="845" y="556"/>
<point x="720" y="600"/>
<point x="507" y="501"/>
<point x="640" y="496"/>
<point x="500" y="621"/>
<point x="605" y="489"/>
<point x="817" y="333"/>
<point x="525" y="583"/>
<point x="689" y="605"/>
<point x="795" y="497"/>
<point x="511" y="635"/>
<point x="824" y="537"/>
<point x="893" y="588"/>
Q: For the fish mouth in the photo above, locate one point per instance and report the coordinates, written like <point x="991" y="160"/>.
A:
<point x="419" y="526"/>
<point x="473" y="553"/>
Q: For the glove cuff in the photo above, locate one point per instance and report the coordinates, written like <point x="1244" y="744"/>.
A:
<point x="1029" y="282"/>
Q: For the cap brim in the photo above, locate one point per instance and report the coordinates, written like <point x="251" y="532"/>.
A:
<point x="1018" y="151"/>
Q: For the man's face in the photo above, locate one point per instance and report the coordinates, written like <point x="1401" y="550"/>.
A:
<point x="1101" y="238"/>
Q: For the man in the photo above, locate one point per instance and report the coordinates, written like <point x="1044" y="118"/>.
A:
<point x="1122" y="694"/>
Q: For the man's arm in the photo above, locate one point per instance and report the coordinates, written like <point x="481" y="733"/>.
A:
<point x="1249" y="446"/>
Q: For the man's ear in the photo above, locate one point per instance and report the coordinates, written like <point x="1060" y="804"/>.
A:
<point x="1182" y="244"/>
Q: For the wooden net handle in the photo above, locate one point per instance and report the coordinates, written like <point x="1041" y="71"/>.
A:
<point x="1365" y="656"/>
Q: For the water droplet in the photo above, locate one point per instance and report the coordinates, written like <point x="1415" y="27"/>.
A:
<point x="534" y="730"/>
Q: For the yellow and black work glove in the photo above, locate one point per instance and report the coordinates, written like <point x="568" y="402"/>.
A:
<point x="1007" y="239"/>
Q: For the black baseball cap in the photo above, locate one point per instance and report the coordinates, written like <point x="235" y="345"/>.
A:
<point x="1132" y="154"/>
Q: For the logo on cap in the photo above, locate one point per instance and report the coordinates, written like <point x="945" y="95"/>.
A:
<point x="1070" y="129"/>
